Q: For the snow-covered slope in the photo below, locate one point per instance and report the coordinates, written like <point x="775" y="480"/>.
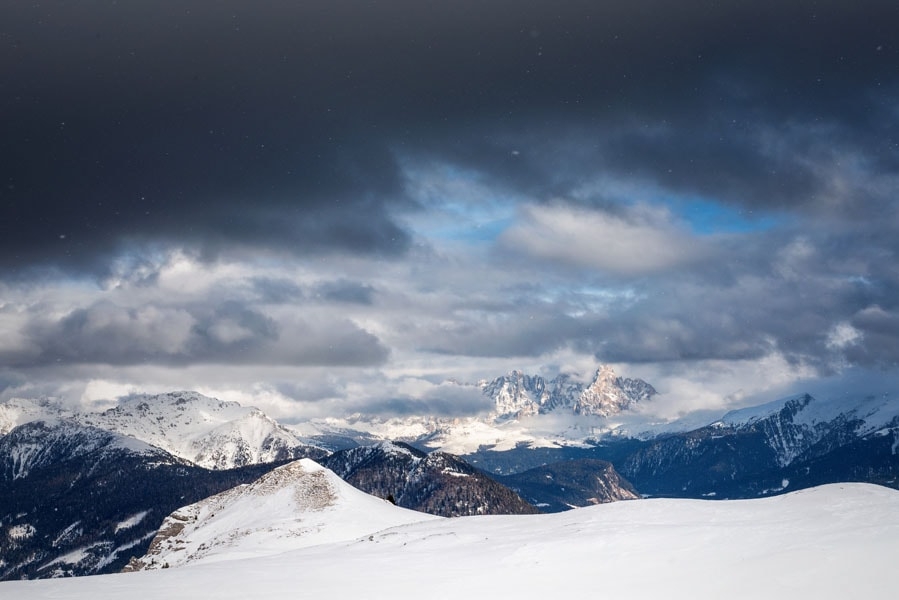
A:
<point x="299" y="504"/>
<point x="206" y="431"/>
<point x="795" y="425"/>
<point x="42" y="444"/>
<point x="18" y="411"/>
<point x="77" y="500"/>
<point x="832" y="542"/>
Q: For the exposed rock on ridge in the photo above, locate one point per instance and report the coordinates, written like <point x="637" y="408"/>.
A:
<point x="518" y="395"/>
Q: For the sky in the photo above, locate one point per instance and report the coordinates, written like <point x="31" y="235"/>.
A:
<point x="333" y="206"/>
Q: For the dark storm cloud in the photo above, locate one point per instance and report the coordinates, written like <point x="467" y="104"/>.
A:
<point x="135" y="133"/>
<point x="880" y="328"/>
<point x="805" y="296"/>
<point x="227" y="333"/>
<point x="440" y="400"/>
<point x="820" y="299"/>
<point x="342" y="290"/>
<point x="276" y="124"/>
<point x="273" y="290"/>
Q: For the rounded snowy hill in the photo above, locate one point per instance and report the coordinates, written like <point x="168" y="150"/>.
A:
<point x="296" y="505"/>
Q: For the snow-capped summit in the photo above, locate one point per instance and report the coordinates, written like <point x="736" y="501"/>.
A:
<point x="18" y="411"/>
<point x="518" y="395"/>
<point x="206" y="431"/>
<point x="609" y="394"/>
<point x="296" y="505"/>
<point x="796" y="424"/>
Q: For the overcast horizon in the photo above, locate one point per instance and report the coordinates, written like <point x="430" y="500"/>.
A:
<point x="329" y="207"/>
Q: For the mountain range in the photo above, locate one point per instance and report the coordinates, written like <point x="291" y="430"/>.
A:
<point x="82" y="493"/>
<point x="524" y="410"/>
<point x="788" y="444"/>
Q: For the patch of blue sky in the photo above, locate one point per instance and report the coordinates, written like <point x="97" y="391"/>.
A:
<point x="460" y="206"/>
<point x="600" y="298"/>
<point x="466" y="230"/>
<point x="580" y="301"/>
<point x="707" y="217"/>
<point x="703" y="216"/>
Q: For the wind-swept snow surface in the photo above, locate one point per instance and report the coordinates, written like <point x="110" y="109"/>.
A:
<point x="835" y="541"/>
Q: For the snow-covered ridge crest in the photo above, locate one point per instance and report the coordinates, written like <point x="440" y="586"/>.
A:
<point x="18" y="411"/>
<point x="38" y="444"/>
<point x="296" y="505"/>
<point x="208" y="432"/>
<point x="872" y="412"/>
<point x="795" y="424"/>
<point x="205" y="431"/>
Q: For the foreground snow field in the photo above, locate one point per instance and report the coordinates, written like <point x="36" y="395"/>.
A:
<point x="835" y="541"/>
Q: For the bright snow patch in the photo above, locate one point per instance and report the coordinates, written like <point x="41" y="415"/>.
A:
<point x="20" y="532"/>
<point x="75" y="556"/>
<point x="131" y="521"/>
<point x="836" y="541"/>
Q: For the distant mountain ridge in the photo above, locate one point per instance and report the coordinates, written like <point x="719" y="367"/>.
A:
<point x="208" y="432"/>
<point x="522" y="406"/>
<point x="787" y="444"/>
<point x="518" y="395"/>
<point x="205" y="431"/>
<point x="571" y="484"/>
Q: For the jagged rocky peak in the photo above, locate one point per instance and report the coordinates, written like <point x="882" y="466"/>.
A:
<point x="516" y="394"/>
<point x="519" y="395"/>
<point x="609" y="394"/>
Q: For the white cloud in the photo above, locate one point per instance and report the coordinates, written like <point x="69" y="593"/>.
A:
<point x="718" y="385"/>
<point x="641" y="241"/>
<point x="843" y="335"/>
